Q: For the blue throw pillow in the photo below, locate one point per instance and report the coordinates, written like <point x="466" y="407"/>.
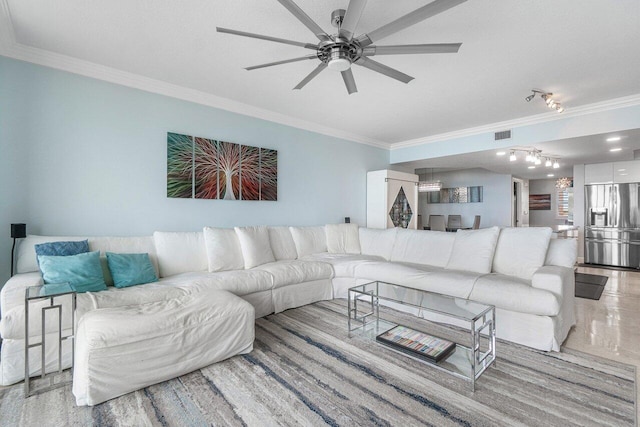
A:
<point x="82" y="271"/>
<point x="61" y="248"/>
<point x="131" y="269"/>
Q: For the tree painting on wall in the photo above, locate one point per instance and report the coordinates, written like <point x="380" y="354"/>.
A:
<point x="229" y="164"/>
<point x="179" y="165"/>
<point x="206" y="171"/>
<point x="210" y="169"/>
<point x="249" y="173"/>
<point x="268" y="174"/>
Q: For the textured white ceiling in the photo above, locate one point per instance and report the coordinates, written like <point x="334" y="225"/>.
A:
<point x="584" y="52"/>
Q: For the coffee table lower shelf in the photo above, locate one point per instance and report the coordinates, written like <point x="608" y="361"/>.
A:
<point x="459" y="363"/>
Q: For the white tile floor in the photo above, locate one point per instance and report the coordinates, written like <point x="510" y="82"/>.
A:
<point x="610" y="327"/>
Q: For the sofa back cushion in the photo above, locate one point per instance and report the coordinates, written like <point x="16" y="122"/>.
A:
<point x="521" y="251"/>
<point x="423" y="247"/>
<point x="255" y="246"/>
<point x="180" y="252"/>
<point x="309" y="240"/>
<point x="26" y="261"/>
<point x="473" y="250"/>
<point x="562" y="253"/>
<point x="377" y="242"/>
<point x="282" y="244"/>
<point x="342" y="238"/>
<point x="223" y="249"/>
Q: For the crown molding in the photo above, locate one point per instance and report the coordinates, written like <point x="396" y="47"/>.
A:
<point x="12" y="49"/>
<point x="597" y="107"/>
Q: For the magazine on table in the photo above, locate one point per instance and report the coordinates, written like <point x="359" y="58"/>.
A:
<point x="409" y="340"/>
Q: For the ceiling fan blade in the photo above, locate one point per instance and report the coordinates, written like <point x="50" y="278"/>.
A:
<point x="304" y="18"/>
<point x="349" y="82"/>
<point x="418" y="15"/>
<point x="311" y="75"/>
<point x="409" y="49"/>
<point x="269" y="38"/>
<point x="286" y="61"/>
<point x="383" y="69"/>
<point x="351" y="18"/>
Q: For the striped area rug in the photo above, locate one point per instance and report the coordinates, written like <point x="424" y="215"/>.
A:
<point x="304" y="370"/>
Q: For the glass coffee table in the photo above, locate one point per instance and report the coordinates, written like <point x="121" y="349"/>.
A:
<point x="466" y="358"/>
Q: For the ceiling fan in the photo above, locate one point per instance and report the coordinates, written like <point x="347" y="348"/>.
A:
<point x="339" y="51"/>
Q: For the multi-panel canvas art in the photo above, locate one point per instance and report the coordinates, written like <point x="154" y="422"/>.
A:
<point x="209" y="169"/>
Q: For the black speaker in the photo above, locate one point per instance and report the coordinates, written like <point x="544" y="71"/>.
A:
<point x="347" y="220"/>
<point x="18" y="231"/>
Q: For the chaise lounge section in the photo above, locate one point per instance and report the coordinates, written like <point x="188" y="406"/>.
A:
<point x="522" y="271"/>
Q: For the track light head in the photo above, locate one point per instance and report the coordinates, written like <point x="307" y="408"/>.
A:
<point x="530" y="97"/>
<point x="512" y="156"/>
<point x="556" y="165"/>
<point x="559" y="108"/>
<point x="548" y="163"/>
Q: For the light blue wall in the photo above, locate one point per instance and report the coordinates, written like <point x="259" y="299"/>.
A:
<point x="89" y="158"/>
<point x="13" y="165"/>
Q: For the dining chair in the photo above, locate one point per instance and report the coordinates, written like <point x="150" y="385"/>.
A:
<point x="436" y="223"/>
<point x="454" y="222"/>
<point x="476" y="222"/>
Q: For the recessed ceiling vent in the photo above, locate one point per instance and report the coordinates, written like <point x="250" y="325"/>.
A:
<point x="504" y="134"/>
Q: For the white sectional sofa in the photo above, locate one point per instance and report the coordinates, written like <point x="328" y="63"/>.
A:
<point x="522" y="271"/>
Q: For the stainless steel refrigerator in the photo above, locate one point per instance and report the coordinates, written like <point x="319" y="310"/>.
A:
<point x="612" y="231"/>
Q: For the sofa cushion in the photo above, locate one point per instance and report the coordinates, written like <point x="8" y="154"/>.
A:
<point x="82" y="271"/>
<point x="342" y="239"/>
<point x="433" y="279"/>
<point x="343" y="264"/>
<point x="223" y="249"/>
<point x="521" y="251"/>
<point x="423" y="247"/>
<point x="26" y="261"/>
<point x="254" y="242"/>
<point x="131" y="269"/>
<point x="473" y="250"/>
<point x="179" y="252"/>
<point x="377" y="242"/>
<point x="511" y="293"/>
<point x="238" y="282"/>
<point x="309" y="240"/>
<point x="282" y="243"/>
<point x="562" y="253"/>
<point x="293" y="272"/>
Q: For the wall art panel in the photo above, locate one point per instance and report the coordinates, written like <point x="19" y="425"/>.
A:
<point x="249" y="173"/>
<point x="268" y="174"/>
<point x="179" y="165"/>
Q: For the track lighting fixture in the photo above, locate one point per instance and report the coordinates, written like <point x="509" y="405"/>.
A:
<point x="532" y="155"/>
<point x="547" y="97"/>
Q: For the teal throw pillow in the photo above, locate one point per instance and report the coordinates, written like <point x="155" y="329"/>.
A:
<point x="131" y="269"/>
<point x="82" y="271"/>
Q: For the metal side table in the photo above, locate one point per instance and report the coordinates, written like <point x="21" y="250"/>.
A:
<point x="50" y="292"/>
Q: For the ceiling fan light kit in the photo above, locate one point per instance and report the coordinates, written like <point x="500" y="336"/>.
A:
<point x="339" y="51"/>
<point x="547" y="97"/>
